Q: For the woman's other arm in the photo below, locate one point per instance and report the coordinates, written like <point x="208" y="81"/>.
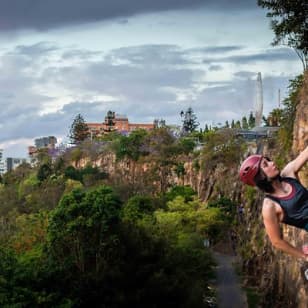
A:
<point x="294" y="166"/>
<point x="272" y="228"/>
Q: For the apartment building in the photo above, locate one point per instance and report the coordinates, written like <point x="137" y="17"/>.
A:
<point x="116" y="122"/>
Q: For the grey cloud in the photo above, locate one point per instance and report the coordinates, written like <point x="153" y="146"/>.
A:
<point x="141" y="91"/>
<point x="215" y="68"/>
<point x="274" y="54"/>
<point x="245" y="74"/>
<point x="43" y="15"/>
<point x="227" y="101"/>
<point x="38" y="49"/>
<point x="169" y="55"/>
<point x="138" y="79"/>
<point x="217" y="49"/>
<point x="80" y="54"/>
<point x="29" y="124"/>
<point x="271" y="55"/>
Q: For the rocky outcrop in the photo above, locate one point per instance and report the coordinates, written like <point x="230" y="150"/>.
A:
<point x="301" y="120"/>
<point x="278" y="277"/>
<point x="291" y="270"/>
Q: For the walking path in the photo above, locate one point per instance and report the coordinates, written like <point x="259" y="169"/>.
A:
<point x="229" y="292"/>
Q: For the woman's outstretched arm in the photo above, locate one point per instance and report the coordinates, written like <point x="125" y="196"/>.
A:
<point x="294" y="166"/>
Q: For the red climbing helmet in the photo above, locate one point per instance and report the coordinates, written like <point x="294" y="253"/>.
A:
<point x="249" y="169"/>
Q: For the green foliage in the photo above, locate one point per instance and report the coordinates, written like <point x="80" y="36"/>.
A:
<point x="213" y="223"/>
<point x="136" y="207"/>
<point x="88" y="175"/>
<point x="70" y="185"/>
<point x="44" y="172"/>
<point x="59" y="165"/>
<point x="190" y="122"/>
<point x="109" y="120"/>
<point x="251" y="120"/>
<point x="28" y="185"/>
<point x="223" y="203"/>
<point x="289" y="112"/>
<point x="30" y="231"/>
<point x="179" y="169"/>
<point x="90" y="251"/>
<point x="179" y="204"/>
<point x="222" y="147"/>
<point x="72" y="173"/>
<point x="250" y="194"/>
<point x="81" y="227"/>
<point x="289" y="23"/>
<point x="43" y="157"/>
<point x="191" y="217"/>
<point x="76" y="155"/>
<point x="275" y="117"/>
<point x="186" y="145"/>
<point x="227" y="206"/>
<point x="18" y="175"/>
<point x="79" y="130"/>
<point x="185" y="191"/>
<point x="130" y="146"/>
<point x="196" y="165"/>
<point x="161" y="145"/>
<point x="245" y="123"/>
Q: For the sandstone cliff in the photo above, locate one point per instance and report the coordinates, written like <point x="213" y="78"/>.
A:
<point x="277" y="276"/>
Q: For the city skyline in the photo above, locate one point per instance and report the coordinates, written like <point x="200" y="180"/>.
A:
<point x="143" y="59"/>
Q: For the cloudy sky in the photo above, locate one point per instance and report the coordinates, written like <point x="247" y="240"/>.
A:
<point x="143" y="58"/>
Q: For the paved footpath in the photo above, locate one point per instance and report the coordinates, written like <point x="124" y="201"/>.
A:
<point x="230" y="294"/>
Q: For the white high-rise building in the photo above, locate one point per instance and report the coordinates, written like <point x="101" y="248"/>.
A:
<point x="12" y="163"/>
<point x="259" y="101"/>
<point x="2" y="165"/>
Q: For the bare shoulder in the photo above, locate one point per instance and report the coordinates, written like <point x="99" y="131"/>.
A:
<point x="268" y="208"/>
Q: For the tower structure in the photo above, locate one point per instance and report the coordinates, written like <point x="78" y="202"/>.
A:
<point x="2" y="166"/>
<point x="259" y="101"/>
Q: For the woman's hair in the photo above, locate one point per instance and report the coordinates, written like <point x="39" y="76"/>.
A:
<point x="263" y="182"/>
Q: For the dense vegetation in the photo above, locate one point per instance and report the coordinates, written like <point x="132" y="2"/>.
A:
<point x="77" y="235"/>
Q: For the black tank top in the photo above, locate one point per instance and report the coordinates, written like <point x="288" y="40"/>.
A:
<point x="294" y="206"/>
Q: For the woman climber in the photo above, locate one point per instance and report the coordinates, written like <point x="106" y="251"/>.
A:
<point x="286" y="199"/>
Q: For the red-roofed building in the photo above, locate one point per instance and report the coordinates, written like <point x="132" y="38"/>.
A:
<point x="116" y="122"/>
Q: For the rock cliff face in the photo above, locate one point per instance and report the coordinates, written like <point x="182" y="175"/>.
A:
<point x="289" y="270"/>
<point x="301" y="122"/>
<point x="278" y="276"/>
<point x="301" y="126"/>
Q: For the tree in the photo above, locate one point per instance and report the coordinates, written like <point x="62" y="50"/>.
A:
<point x="233" y="124"/>
<point x="44" y="172"/>
<point x="251" y="120"/>
<point x="109" y="120"/>
<point x="82" y="228"/>
<point x="79" y="130"/>
<point x="289" y="23"/>
<point x="238" y="124"/>
<point x="130" y="146"/>
<point x="244" y="123"/>
<point x="274" y="117"/>
<point x="289" y="111"/>
<point x="190" y="122"/>
<point x="137" y="207"/>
